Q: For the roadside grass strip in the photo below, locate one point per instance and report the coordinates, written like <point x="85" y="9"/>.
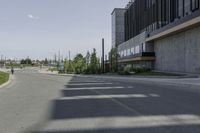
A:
<point x="4" y="77"/>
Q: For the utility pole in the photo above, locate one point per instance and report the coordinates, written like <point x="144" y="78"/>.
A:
<point x="55" y="58"/>
<point x="69" y="62"/>
<point x="103" y="62"/>
<point x="59" y="57"/>
<point x="111" y="61"/>
<point x="62" y="59"/>
<point x="69" y="56"/>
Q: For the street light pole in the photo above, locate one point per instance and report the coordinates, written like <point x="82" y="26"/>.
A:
<point x="103" y="62"/>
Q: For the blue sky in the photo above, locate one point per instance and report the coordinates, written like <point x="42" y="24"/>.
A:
<point x="40" y="28"/>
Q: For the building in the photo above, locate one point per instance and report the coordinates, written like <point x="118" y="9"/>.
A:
<point x="159" y="34"/>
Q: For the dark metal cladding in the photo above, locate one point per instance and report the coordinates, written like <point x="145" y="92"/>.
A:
<point x="149" y="15"/>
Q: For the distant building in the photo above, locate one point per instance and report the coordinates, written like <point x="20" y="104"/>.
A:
<point x="158" y="34"/>
<point x="118" y="29"/>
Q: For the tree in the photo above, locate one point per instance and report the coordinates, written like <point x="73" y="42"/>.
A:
<point x="46" y="62"/>
<point x="113" y="57"/>
<point x="79" y="63"/>
<point x="26" y="61"/>
<point x="87" y="59"/>
<point x="68" y="66"/>
<point x="93" y="62"/>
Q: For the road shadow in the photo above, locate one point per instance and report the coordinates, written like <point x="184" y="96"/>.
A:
<point x="79" y="102"/>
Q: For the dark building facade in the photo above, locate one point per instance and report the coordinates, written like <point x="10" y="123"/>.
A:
<point x="150" y="15"/>
<point x="148" y="22"/>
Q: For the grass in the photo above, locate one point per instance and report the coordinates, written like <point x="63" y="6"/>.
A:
<point x="4" y="77"/>
<point x="151" y="73"/>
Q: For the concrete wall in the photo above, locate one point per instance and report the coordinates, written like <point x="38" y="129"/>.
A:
<point x="118" y="35"/>
<point x="179" y="53"/>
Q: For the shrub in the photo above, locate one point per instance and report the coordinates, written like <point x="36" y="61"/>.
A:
<point x="141" y="70"/>
<point x="125" y="71"/>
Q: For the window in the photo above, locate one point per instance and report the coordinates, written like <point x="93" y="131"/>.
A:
<point x="194" y="4"/>
<point x="137" y="49"/>
<point x="143" y="47"/>
<point x="133" y="50"/>
<point x="128" y="52"/>
<point x="124" y="52"/>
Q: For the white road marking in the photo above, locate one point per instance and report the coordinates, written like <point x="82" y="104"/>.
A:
<point x="94" y="88"/>
<point x="90" y="84"/>
<point x="130" y="87"/>
<point x="91" y="124"/>
<point x="74" y="82"/>
<point x="154" y="95"/>
<point x="105" y="96"/>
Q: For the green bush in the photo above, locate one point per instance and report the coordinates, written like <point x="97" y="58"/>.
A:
<point x="140" y="70"/>
<point x="128" y="70"/>
<point x="125" y="71"/>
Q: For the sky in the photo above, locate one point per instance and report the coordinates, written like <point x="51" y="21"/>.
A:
<point x="40" y="28"/>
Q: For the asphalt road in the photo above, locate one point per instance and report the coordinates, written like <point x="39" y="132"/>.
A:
<point x="38" y="103"/>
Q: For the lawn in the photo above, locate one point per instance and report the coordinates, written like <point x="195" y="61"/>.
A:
<point x="3" y="77"/>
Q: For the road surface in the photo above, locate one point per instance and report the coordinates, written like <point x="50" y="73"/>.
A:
<point x="38" y="103"/>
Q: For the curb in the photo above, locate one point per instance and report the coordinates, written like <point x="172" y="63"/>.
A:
<point x="8" y="82"/>
<point x="146" y="81"/>
<point x="139" y="79"/>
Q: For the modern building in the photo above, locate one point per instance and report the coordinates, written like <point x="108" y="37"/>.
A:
<point x="159" y="34"/>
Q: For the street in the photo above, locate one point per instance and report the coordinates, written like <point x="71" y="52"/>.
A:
<point x="41" y="103"/>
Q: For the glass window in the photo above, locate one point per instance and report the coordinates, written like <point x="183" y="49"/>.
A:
<point x="124" y="52"/>
<point x="143" y="47"/>
<point x="194" y="5"/>
<point x="137" y="49"/>
<point x="133" y="50"/>
<point x="128" y="52"/>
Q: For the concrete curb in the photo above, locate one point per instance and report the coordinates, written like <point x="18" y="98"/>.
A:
<point x="147" y="80"/>
<point x="140" y="79"/>
<point x="8" y="82"/>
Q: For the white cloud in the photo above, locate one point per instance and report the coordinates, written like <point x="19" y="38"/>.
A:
<point x="32" y="17"/>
